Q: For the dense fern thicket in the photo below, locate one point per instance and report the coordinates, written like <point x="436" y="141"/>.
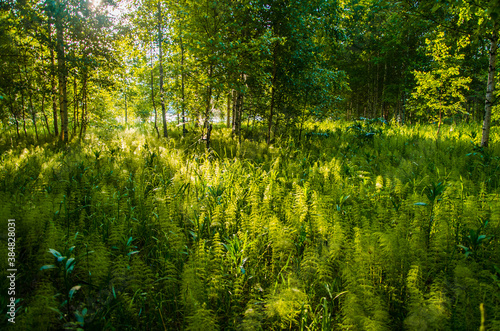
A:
<point x="357" y="226"/>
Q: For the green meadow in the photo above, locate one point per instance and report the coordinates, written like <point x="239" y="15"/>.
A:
<point x="356" y="226"/>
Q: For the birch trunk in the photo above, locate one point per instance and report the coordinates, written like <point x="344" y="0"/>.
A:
<point x="490" y="90"/>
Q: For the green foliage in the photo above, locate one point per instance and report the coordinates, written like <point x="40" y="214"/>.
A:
<point x="331" y="233"/>
<point x="475" y="239"/>
<point x="365" y="131"/>
<point x="440" y="91"/>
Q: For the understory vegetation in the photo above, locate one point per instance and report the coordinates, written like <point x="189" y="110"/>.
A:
<point x="357" y="226"/>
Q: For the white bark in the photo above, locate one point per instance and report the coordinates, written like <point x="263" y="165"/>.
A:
<point x="490" y="91"/>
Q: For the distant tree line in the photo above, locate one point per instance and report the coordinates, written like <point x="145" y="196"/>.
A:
<point x="66" y="64"/>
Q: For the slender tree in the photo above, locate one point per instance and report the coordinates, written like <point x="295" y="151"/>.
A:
<point x="160" y="60"/>
<point x="490" y="89"/>
<point x="61" y="69"/>
<point x="53" y="90"/>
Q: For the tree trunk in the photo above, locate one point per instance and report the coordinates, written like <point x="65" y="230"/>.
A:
<point x="153" y="100"/>
<point x="375" y="95"/>
<point x="239" y="112"/>
<point x="237" y="104"/>
<point x="33" y="118"/>
<point x="126" y="107"/>
<point x="33" y="114"/>
<point x="54" y="95"/>
<point x="403" y="109"/>
<point x="84" y="105"/>
<point x="162" y="97"/>
<point x="208" y="106"/>
<point x="302" y="120"/>
<point x="53" y="79"/>
<point x="75" y="106"/>
<point x="15" y="119"/>
<point x="209" y="133"/>
<point x="24" y="114"/>
<point x="273" y="89"/>
<point x="233" y="119"/>
<point x="276" y="126"/>
<point x="228" y="118"/>
<point x="152" y="92"/>
<point x="62" y="73"/>
<point x="490" y="90"/>
<point x="45" y="115"/>
<point x="439" y="123"/>
<point x="384" y="79"/>
<point x="30" y="100"/>
<point x="183" y="93"/>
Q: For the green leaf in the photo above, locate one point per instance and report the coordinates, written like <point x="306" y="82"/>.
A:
<point x="70" y="262"/>
<point x="55" y="253"/>
<point x="79" y="317"/>
<point x="48" y="266"/>
<point x="463" y="247"/>
<point x="73" y="290"/>
<point x="436" y="7"/>
<point x="57" y="311"/>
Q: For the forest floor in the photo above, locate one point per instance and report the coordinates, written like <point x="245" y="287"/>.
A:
<point x="358" y="226"/>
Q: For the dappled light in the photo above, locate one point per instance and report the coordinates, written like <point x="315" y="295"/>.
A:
<point x="249" y="165"/>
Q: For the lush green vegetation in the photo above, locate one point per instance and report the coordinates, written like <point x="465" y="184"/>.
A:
<point x="249" y="164"/>
<point x="71" y="64"/>
<point x="360" y="226"/>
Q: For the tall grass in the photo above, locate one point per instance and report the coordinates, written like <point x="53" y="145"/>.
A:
<point x="359" y="226"/>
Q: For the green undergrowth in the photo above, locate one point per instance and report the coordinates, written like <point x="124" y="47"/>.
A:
<point x="356" y="226"/>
